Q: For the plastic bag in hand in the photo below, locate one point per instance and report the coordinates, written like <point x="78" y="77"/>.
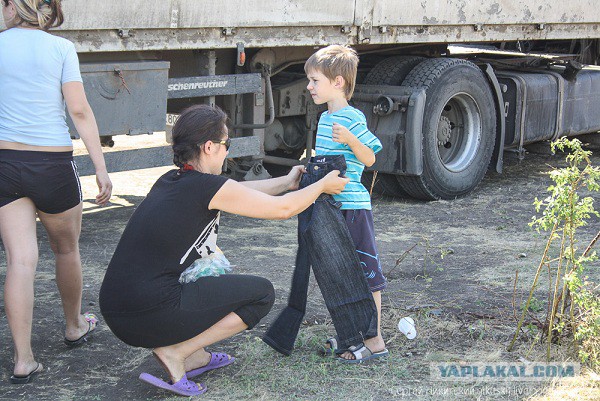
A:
<point x="214" y="264"/>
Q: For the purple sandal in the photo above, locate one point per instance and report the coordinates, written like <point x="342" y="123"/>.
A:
<point x="182" y="387"/>
<point x="217" y="360"/>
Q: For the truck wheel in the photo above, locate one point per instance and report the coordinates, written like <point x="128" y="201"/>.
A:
<point x="459" y="128"/>
<point x="390" y="71"/>
<point x="385" y="184"/>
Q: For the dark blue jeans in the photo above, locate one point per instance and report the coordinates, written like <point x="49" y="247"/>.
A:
<point x="325" y="243"/>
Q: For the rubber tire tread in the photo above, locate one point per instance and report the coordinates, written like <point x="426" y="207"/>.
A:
<point x="424" y="76"/>
<point x="390" y="71"/>
<point x="385" y="184"/>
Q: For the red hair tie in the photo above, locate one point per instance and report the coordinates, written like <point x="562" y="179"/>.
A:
<point x="187" y="167"/>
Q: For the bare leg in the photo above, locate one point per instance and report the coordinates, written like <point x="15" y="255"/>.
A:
<point x="375" y="344"/>
<point x="198" y="359"/>
<point x="173" y="357"/>
<point x="18" y="231"/>
<point x="63" y="232"/>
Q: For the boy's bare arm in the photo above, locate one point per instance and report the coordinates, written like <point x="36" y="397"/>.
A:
<point x="362" y="152"/>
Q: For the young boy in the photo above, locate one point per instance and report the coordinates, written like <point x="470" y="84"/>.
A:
<point x="342" y="129"/>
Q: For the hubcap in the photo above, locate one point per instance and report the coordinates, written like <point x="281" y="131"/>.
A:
<point x="444" y="131"/>
<point x="459" y="132"/>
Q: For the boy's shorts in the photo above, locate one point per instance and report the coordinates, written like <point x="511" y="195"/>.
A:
<point x="360" y="224"/>
<point x="49" y="179"/>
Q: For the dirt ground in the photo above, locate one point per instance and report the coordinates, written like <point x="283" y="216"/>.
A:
<point x="455" y="278"/>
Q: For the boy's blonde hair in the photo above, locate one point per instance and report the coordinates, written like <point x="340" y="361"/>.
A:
<point x="335" y="60"/>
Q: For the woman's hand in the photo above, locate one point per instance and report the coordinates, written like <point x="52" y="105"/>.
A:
<point x="104" y="187"/>
<point x="334" y="184"/>
<point x="294" y="177"/>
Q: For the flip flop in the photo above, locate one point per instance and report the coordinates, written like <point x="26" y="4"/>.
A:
<point x="182" y="387"/>
<point x="362" y="353"/>
<point x="91" y="319"/>
<point x="217" y="360"/>
<point x="22" y="379"/>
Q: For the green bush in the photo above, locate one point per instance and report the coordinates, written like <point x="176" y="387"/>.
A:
<point x="573" y="310"/>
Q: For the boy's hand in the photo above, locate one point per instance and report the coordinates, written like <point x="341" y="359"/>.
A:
<point x="294" y="177"/>
<point x="341" y="134"/>
<point x="363" y="153"/>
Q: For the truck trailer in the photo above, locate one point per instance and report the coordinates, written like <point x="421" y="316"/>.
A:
<point x="446" y="85"/>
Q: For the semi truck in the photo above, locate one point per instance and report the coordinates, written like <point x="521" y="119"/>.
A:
<point x="447" y="85"/>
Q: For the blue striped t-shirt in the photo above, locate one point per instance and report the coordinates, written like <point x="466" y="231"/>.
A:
<point x="354" y="195"/>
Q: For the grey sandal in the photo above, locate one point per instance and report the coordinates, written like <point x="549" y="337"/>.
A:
<point x="332" y="348"/>
<point x="362" y="353"/>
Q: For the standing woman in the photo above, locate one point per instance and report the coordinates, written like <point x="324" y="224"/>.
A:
<point x="39" y="73"/>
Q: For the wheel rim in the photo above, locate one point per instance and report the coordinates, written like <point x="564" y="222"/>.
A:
<point x="459" y="132"/>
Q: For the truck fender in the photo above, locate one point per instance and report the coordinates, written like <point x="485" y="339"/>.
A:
<point x="497" y="158"/>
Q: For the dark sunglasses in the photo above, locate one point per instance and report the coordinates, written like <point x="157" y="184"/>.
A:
<point x="226" y="142"/>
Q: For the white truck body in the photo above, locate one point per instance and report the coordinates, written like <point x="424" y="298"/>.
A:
<point x="207" y="24"/>
<point x="144" y="58"/>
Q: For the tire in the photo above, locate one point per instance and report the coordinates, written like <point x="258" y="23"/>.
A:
<point x="385" y="184"/>
<point x="390" y="71"/>
<point x="459" y="128"/>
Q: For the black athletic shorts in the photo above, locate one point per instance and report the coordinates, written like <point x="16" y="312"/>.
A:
<point x="49" y="179"/>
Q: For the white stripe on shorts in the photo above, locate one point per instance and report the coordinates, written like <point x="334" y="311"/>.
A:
<point x="74" y="167"/>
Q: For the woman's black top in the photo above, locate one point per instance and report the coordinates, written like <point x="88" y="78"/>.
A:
<point x="170" y="229"/>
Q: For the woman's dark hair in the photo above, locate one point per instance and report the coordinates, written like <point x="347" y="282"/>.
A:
<point x="196" y="125"/>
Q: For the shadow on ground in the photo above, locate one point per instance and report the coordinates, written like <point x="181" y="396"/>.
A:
<point x="451" y="265"/>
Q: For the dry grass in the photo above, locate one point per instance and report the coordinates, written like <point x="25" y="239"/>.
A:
<point x="262" y="374"/>
<point x="463" y="313"/>
<point x="585" y="387"/>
